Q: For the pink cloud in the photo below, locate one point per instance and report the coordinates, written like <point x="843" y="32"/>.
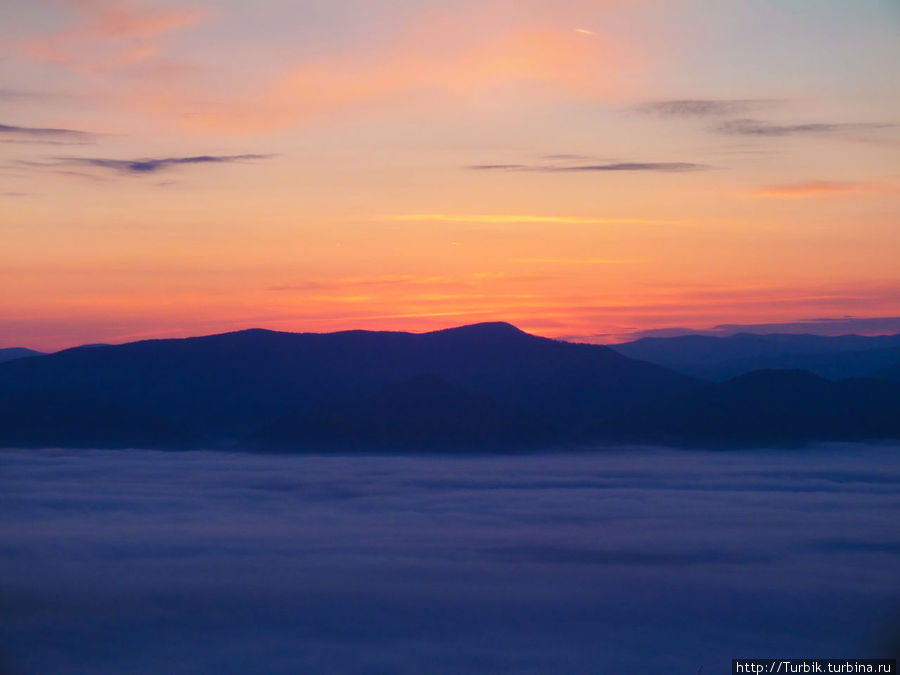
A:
<point x="534" y="60"/>
<point x="109" y="35"/>
<point x="434" y="56"/>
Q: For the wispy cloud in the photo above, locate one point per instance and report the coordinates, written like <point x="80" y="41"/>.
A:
<point x="511" y="219"/>
<point x="568" y="157"/>
<point x="499" y="167"/>
<point x="403" y="283"/>
<point x="753" y="127"/>
<point x="14" y="133"/>
<point x="579" y="261"/>
<point x="821" y="188"/>
<point x="433" y="56"/>
<point x="631" y="166"/>
<point x="668" y="167"/>
<point x="108" y="35"/>
<point x="436" y="58"/>
<point x="702" y="107"/>
<point x="7" y="94"/>
<point x="154" y="165"/>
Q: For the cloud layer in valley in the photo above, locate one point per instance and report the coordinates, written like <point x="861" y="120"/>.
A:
<point x="199" y="562"/>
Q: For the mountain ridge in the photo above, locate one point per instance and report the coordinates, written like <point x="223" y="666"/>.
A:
<point x="226" y="387"/>
<point x="720" y="358"/>
<point x="483" y="385"/>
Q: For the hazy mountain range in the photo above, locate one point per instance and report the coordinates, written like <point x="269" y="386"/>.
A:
<point x="721" y="358"/>
<point x="13" y="353"/>
<point x="486" y="386"/>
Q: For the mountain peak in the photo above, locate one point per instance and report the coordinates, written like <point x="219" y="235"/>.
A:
<point x="486" y="329"/>
<point x="252" y="331"/>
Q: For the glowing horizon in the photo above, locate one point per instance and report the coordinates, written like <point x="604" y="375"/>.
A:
<point x="581" y="169"/>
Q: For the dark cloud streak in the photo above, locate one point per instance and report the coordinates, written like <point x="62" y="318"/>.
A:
<point x="154" y="165"/>
<point x="38" y="134"/>
<point x="589" y="168"/>
<point x="752" y="127"/>
<point x="499" y="167"/>
<point x="631" y="166"/>
<point x="702" y="107"/>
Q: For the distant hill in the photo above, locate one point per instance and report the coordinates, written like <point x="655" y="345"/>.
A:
<point x="486" y="386"/>
<point x="721" y="358"/>
<point x="770" y="406"/>
<point x="424" y="412"/>
<point x="13" y="353"/>
<point x="67" y="418"/>
<point x="891" y="372"/>
<point x="223" y="389"/>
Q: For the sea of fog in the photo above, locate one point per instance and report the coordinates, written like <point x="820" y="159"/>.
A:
<point x="618" y="561"/>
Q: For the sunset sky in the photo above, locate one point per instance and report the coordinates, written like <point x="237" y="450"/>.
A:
<point x="588" y="169"/>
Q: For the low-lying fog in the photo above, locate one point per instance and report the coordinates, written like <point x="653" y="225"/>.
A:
<point x="626" y="560"/>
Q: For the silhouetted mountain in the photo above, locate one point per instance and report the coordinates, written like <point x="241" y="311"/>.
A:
<point x="770" y="406"/>
<point x="721" y="358"/>
<point x="224" y="388"/>
<point x="487" y="385"/>
<point x="66" y="418"/>
<point x="891" y="372"/>
<point x="420" y="413"/>
<point x="13" y="353"/>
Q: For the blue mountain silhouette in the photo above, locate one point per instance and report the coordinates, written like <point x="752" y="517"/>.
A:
<point x="486" y="386"/>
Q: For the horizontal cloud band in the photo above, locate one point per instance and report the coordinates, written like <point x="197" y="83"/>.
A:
<point x="588" y="168"/>
<point x="150" y="165"/>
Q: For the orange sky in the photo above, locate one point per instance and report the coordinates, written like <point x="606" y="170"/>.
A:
<point x="587" y="169"/>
